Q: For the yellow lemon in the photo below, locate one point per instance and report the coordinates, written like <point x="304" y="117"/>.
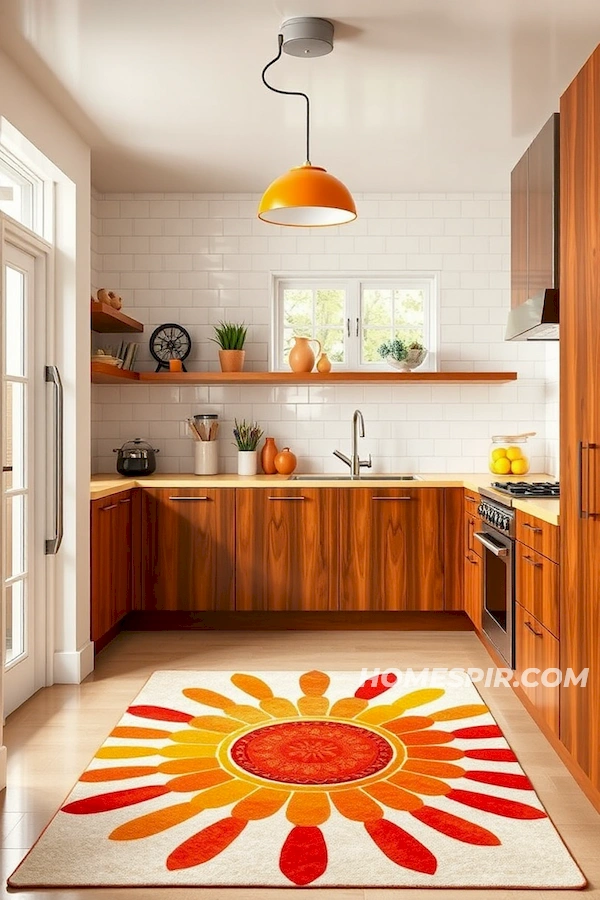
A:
<point x="519" y="466"/>
<point x="514" y="453"/>
<point x="498" y="453"/>
<point x="502" y="466"/>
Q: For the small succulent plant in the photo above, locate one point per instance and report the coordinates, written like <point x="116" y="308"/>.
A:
<point x="397" y="349"/>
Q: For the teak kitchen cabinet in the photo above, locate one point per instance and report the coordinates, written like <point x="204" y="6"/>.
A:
<point x="286" y="549"/>
<point x="188" y="549"/>
<point x="537" y="649"/>
<point x="580" y="415"/>
<point x="391" y="549"/>
<point x="111" y="561"/>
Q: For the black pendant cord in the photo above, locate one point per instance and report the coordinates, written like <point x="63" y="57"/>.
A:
<point x="290" y="94"/>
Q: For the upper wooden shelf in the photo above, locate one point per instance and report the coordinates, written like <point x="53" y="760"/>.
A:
<point x="107" y="320"/>
<point x="103" y="374"/>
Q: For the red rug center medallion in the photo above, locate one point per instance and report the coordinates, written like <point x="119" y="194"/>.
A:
<point x="312" y="752"/>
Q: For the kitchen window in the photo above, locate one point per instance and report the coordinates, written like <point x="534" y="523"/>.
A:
<point x="21" y="193"/>
<point x="352" y="317"/>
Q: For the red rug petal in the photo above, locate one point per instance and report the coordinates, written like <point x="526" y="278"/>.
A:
<point x="160" y="713"/>
<point x="375" y="686"/>
<point x="512" y="809"/>
<point x="401" y="847"/>
<point x="115" y="800"/>
<point x="455" y="827"/>
<point x="206" y="844"/>
<point x="304" y="855"/>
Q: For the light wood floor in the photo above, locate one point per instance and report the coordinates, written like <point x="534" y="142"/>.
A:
<point x="52" y="737"/>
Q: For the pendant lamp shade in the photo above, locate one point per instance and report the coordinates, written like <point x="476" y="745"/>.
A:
<point x="307" y="196"/>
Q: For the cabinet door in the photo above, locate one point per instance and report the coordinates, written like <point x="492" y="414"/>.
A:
<point x="188" y="555"/>
<point x="391" y="545"/>
<point x="286" y="549"/>
<point x="537" y="586"/>
<point x="537" y="649"/>
<point x="518" y="232"/>
<point x="474" y="588"/>
<point x="580" y="414"/>
<point x="110" y="558"/>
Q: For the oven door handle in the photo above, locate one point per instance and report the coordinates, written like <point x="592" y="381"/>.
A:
<point x="496" y="549"/>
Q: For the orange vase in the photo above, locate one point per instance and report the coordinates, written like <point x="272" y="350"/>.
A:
<point x="302" y="358"/>
<point x="285" y="462"/>
<point x="267" y="456"/>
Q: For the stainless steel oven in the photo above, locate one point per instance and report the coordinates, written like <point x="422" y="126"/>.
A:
<point x="497" y="539"/>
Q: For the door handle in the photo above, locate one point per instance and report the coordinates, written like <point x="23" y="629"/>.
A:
<point x="53" y="377"/>
<point x="392" y="498"/>
<point x="286" y="498"/>
<point x="106" y="508"/>
<point x="126" y="500"/>
<point x="533" y="631"/>
<point x="178" y="498"/>
<point x="493" y="548"/>
<point x="584" y="447"/>
<point x="532" y="528"/>
<point x="532" y="562"/>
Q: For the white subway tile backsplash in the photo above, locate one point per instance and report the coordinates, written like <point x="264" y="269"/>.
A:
<point x="200" y="258"/>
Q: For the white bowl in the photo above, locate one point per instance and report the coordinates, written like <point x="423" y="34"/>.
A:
<point x="414" y="359"/>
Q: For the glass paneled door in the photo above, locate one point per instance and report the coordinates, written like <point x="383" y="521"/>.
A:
<point x="23" y="495"/>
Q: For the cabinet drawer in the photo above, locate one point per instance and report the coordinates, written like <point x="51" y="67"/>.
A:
<point x="472" y="501"/>
<point x="539" y="535"/>
<point x="537" y="586"/>
<point x="536" y="648"/>
<point x="474" y="588"/>
<point x="472" y="524"/>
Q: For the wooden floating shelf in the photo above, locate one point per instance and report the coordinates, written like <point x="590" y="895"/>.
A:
<point x="104" y="374"/>
<point x="107" y="320"/>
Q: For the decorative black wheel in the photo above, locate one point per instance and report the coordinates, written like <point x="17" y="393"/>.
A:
<point x="170" y="341"/>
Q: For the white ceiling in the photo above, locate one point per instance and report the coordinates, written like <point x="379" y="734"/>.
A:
<point x="418" y="95"/>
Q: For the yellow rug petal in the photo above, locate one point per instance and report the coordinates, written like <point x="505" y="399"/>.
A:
<point x="249" y="714"/>
<point x="393" y="796"/>
<point x="313" y="706"/>
<point x="308" y="808"/>
<point x="314" y="684"/>
<point x="196" y="736"/>
<point x="141" y="734"/>
<point x="186" y="750"/>
<point x="220" y="724"/>
<point x="208" y="698"/>
<point x="419" y="698"/>
<point x="223" y="794"/>
<point x="421" y="784"/>
<point x="348" y="708"/>
<point x="260" y="805"/>
<point x="125" y="752"/>
<point x="154" y="822"/>
<point x="460" y="712"/>
<point x="279" y="707"/>
<point x="252" y="685"/>
<point x="354" y="804"/>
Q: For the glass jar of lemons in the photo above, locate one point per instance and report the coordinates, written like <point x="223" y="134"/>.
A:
<point x="509" y="454"/>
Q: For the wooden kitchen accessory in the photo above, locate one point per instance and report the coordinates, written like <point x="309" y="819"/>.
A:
<point x="267" y="456"/>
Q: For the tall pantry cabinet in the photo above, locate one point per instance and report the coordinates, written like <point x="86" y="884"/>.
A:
<point x="580" y="413"/>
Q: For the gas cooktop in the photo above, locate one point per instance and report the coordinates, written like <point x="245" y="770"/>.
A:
<point x="527" y="489"/>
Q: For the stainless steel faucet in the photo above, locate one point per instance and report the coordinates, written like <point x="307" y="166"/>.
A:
<point x="355" y="461"/>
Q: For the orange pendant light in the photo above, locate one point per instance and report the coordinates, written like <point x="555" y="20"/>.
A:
<point x="307" y="196"/>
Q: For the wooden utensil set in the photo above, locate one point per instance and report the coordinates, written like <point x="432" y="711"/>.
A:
<point x="200" y="431"/>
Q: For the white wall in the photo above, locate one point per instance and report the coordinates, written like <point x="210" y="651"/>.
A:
<point x="195" y="259"/>
<point x="552" y="408"/>
<point x="31" y="114"/>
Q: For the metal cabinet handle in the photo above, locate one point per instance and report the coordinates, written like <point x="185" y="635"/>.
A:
<point x="493" y="548"/>
<point x="584" y="512"/>
<point x="286" y="498"/>
<point x="357" y="326"/>
<point x="532" y="528"/>
<point x="348" y="327"/>
<point x="126" y="500"/>
<point x="106" y="508"/>
<point x="533" y="631"/>
<point x="53" y="544"/>
<point x="470" y="499"/>
<point x="189" y="498"/>
<point x="472" y="561"/>
<point x="392" y="498"/>
<point x="532" y="562"/>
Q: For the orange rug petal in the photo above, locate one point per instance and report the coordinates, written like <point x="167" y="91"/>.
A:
<point x="308" y="808"/>
<point x="261" y="804"/>
<point x="354" y="804"/>
<point x="205" y="845"/>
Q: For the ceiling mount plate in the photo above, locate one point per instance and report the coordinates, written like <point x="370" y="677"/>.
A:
<point x="305" y="36"/>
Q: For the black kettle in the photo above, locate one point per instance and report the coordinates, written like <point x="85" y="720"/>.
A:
<point x="136" y="457"/>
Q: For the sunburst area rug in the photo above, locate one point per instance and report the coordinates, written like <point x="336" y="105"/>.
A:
<point x="287" y="779"/>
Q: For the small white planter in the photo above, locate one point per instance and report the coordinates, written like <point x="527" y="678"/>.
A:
<point x="247" y="462"/>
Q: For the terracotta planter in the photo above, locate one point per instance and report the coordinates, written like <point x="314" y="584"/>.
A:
<point x="232" y="360"/>
<point x="267" y="456"/>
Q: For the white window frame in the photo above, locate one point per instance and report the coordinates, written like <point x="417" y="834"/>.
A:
<point x="354" y="286"/>
<point x="36" y="196"/>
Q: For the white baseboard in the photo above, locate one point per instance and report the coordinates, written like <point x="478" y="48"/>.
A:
<point x="3" y="757"/>
<point x="72" y="666"/>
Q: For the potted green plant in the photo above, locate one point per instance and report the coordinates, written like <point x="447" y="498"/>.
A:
<point x="230" y="337"/>
<point x="401" y="355"/>
<point x="247" y="435"/>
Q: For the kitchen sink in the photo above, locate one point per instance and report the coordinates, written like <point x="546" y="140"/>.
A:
<point x="349" y="478"/>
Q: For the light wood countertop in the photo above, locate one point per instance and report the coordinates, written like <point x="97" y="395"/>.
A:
<point x="105" y="485"/>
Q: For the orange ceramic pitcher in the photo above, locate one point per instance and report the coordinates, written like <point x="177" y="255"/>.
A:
<point x="302" y="358"/>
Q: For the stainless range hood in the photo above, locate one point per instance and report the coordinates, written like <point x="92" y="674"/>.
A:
<point x="536" y="319"/>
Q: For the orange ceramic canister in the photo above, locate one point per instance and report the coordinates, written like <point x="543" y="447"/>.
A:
<point x="285" y="462"/>
<point x="267" y="456"/>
